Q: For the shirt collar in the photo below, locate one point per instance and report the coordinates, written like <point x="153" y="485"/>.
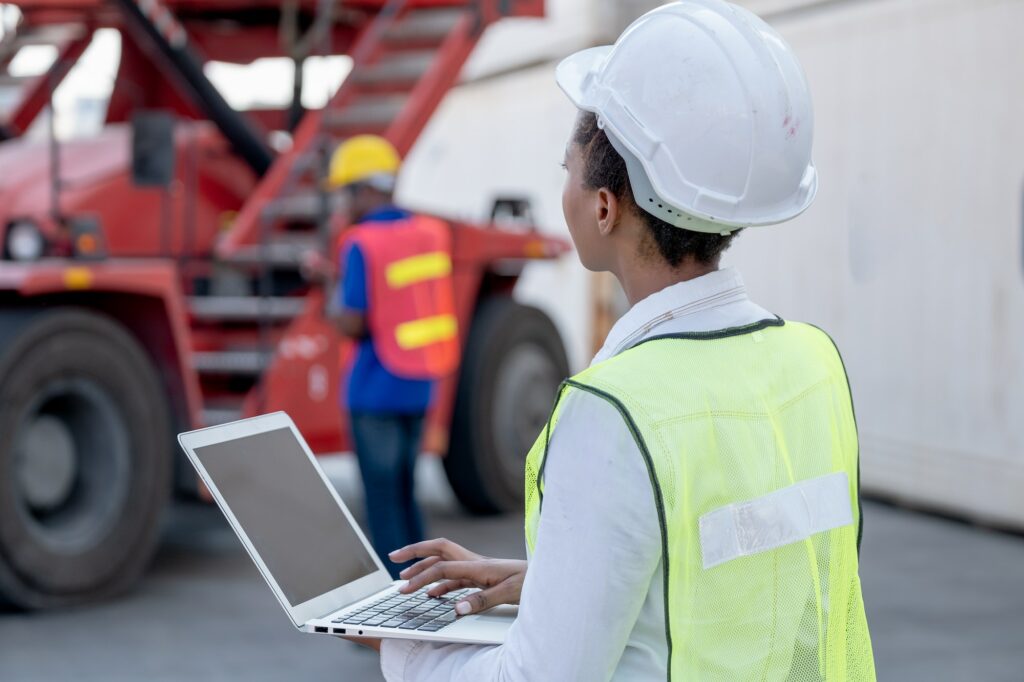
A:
<point x="714" y="289"/>
<point x="386" y="213"/>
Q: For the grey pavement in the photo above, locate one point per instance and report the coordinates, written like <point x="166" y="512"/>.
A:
<point x="944" y="600"/>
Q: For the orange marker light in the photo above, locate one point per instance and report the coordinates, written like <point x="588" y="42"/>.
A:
<point x="535" y="249"/>
<point x="86" y="244"/>
<point x="78" y="278"/>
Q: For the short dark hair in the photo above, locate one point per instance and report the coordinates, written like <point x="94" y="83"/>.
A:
<point x="605" y="167"/>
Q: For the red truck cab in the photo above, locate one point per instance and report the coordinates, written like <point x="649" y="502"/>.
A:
<point x="151" y="279"/>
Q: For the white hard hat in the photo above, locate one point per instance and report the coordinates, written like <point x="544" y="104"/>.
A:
<point x="711" y="111"/>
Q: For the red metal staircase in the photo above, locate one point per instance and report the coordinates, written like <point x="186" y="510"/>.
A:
<point x="405" y="60"/>
<point x="22" y="96"/>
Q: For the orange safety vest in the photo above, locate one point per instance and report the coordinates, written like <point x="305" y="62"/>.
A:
<point x="411" y="313"/>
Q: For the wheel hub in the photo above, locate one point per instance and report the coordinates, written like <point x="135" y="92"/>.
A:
<point x="71" y="461"/>
<point x="46" y="463"/>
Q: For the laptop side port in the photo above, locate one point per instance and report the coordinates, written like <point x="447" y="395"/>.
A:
<point x="338" y="631"/>
<point x="320" y="628"/>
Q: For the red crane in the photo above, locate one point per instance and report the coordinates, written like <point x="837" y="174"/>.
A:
<point x="150" y="277"/>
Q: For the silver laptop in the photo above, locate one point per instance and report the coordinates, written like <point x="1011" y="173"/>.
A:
<point x="307" y="545"/>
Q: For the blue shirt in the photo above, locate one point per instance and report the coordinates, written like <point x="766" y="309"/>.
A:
<point x="371" y="387"/>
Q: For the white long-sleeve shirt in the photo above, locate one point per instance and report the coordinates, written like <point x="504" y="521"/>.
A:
<point x="592" y="605"/>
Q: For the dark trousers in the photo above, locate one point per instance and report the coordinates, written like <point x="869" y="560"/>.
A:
<point x="386" y="447"/>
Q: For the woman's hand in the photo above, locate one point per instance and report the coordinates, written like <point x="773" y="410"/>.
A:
<point x="500" y="580"/>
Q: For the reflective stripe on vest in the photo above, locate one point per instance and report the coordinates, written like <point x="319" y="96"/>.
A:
<point x="411" y="314"/>
<point x="749" y="439"/>
<point x="785" y="516"/>
<point x="419" y="333"/>
<point x="419" y="268"/>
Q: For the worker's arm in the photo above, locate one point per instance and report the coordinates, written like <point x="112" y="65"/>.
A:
<point x="598" y="548"/>
<point x="352" y="324"/>
<point x="316" y="267"/>
<point x="352" y="300"/>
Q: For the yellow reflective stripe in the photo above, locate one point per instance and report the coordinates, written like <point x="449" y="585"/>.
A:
<point x="415" y="269"/>
<point x="426" y="331"/>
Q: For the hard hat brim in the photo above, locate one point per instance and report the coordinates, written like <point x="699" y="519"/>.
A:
<point x="574" y="73"/>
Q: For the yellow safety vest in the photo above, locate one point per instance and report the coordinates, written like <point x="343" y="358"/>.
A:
<point x="751" y="444"/>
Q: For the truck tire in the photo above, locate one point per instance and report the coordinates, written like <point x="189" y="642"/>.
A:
<point x="85" y="458"/>
<point x="511" y="368"/>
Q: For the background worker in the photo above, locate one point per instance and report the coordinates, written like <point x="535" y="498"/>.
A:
<point x="396" y="302"/>
<point x="692" y="507"/>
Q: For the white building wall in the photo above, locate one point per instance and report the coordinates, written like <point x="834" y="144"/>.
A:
<point x="568" y="25"/>
<point x="911" y="256"/>
<point x="498" y="137"/>
<point x="504" y="131"/>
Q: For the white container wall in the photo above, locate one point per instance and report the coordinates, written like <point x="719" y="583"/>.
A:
<point x="506" y="136"/>
<point x="911" y="257"/>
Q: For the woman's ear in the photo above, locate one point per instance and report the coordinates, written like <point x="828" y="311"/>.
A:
<point x="607" y="207"/>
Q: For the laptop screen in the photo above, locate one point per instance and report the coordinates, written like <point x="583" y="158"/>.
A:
<point x="290" y="516"/>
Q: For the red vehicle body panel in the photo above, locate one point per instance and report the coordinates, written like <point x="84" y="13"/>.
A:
<point x="159" y="241"/>
<point x="158" y="280"/>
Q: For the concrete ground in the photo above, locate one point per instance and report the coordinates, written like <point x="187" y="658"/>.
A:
<point x="944" y="600"/>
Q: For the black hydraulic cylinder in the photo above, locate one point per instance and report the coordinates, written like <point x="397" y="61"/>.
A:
<point x="162" y="30"/>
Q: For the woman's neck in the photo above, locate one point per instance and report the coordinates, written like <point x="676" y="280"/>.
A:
<point x="640" y="279"/>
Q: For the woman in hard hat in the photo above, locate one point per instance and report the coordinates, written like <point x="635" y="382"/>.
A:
<point x="692" y="507"/>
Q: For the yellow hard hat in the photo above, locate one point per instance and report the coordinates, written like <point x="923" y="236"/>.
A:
<point x="360" y="158"/>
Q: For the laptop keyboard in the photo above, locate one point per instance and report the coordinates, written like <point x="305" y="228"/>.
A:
<point x="415" y="611"/>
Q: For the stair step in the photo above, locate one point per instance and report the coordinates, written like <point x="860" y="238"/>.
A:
<point x="422" y="26"/>
<point x="306" y="206"/>
<point x="375" y="111"/>
<point x="239" y="362"/>
<point x="212" y="416"/>
<point x="245" y="308"/>
<point x="309" y="162"/>
<point x="49" y="34"/>
<point x="406" y="67"/>
<point x="281" y="253"/>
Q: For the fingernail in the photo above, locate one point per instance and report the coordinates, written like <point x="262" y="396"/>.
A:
<point x="394" y="552"/>
<point x="462" y="608"/>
